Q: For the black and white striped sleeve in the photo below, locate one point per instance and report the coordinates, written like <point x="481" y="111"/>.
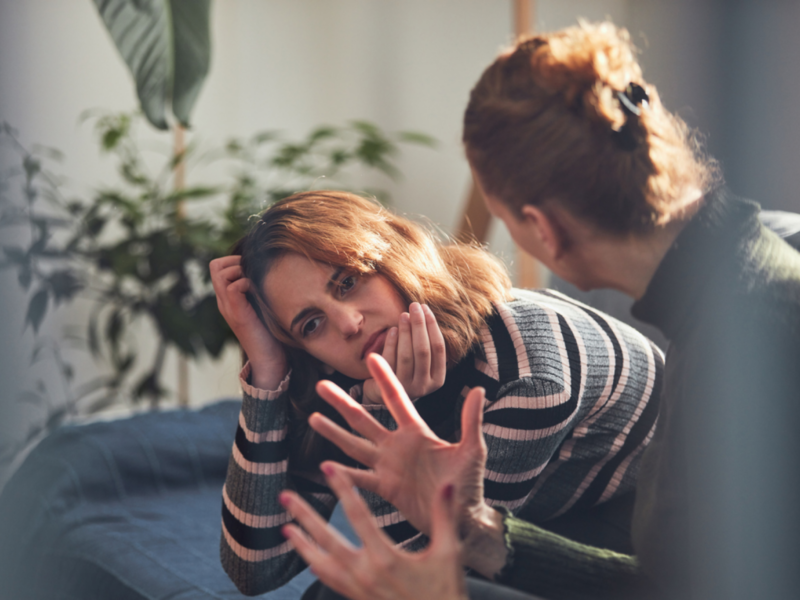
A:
<point x="253" y="551"/>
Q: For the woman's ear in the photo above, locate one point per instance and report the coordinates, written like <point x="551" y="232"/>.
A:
<point x="547" y="231"/>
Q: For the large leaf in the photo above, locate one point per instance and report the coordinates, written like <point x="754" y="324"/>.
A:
<point x="167" y="47"/>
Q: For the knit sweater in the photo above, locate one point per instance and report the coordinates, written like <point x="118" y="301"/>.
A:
<point x="719" y="486"/>
<point x="570" y="406"/>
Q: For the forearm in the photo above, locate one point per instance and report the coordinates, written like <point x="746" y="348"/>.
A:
<point x="254" y="552"/>
<point x="554" y="567"/>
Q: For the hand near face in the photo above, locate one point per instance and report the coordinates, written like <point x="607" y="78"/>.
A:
<point x="416" y="351"/>
<point x="378" y="570"/>
<point x="408" y="465"/>
<point x="267" y="357"/>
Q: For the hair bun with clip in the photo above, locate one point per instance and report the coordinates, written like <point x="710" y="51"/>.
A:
<point x="631" y="101"/>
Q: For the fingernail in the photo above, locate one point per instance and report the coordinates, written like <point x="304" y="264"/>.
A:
<point x="284" y="499"/>
<point x="286" y="531"/>
<point x="415" y="306"/>
<point x="448" y="492"/>
<point x="392" y="332"/>
<point x="405" y="318"/>
<point x="328" y="470"/>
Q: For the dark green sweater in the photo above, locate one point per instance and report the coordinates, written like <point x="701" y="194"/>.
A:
<point x="718" y="497"/>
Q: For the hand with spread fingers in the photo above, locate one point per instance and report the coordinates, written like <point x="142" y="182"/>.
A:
<point x="408" y="465"/>
<point x="416" y="352"/>
<point x="378" y="570"/>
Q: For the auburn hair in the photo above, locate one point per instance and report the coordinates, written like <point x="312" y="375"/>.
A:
<point x="542" y="125"/>
<point x="459" y="282"/>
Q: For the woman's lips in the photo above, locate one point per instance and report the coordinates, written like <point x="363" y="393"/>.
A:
<point x="374" y="343"/>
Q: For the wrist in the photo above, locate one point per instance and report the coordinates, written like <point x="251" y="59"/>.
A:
<point x="267" y="374"/>
<point x="483" y="540"/>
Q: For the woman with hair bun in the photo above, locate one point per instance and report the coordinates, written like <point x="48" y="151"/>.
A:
<point x="326" y="278"/>
<point x="574" y="151"/>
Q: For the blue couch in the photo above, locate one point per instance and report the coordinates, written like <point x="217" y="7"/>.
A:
<point x="124" y="510"/>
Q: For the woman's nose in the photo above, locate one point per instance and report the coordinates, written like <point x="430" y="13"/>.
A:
<point x="349" y="320"/>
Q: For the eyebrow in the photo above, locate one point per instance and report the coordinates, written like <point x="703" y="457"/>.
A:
<point x="306" y="311"/>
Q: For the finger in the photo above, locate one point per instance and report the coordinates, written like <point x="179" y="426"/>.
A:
<point x="421" y="345"/>
<point x="444" y="527"/>
<point x="355" y="447"/>
<point x="390" y="348"/>
<point x="305" y="546"/>
<point x="362" y="478"/>
<point x="405" y="351"/>
<point x="394" y="396"/>
<point x="239" y="286"/>
<point x="355" y="414"/>
<point x="324" y="534"/>
<point x="355" y="508"/>
<point x="438" y="347"/>
<point x="231" y="273"/>
<point x="225" y="261"/>
<point x="329" y="569"/>
<point x="472" y="417"/>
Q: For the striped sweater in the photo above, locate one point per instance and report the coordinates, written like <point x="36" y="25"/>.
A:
<point x="571" y="402"/>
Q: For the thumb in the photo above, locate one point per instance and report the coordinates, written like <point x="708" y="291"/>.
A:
<point x="472" y="418"/>
<point x="445" y="539"/>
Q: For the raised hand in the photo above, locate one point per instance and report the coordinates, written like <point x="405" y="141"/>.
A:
<point x="266" y="355"/>
<point x="378" y="570"/>
<point x="416" y="351"/>
<point x="408" y="465"/>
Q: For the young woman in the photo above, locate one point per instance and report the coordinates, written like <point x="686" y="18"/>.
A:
<point x="326" y="278"/>
<point x="593" y="176"/>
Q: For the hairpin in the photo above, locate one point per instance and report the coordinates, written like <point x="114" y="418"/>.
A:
<point x="631" y="101"/>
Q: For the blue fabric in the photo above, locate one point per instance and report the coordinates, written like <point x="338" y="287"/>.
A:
<point x="126" y="509"/>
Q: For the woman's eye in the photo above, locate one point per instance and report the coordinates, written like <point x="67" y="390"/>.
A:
<point x="311" y="326"/>
<point x="347" y="284"/>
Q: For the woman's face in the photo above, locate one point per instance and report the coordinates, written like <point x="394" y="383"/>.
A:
<point x="335" y="316"/>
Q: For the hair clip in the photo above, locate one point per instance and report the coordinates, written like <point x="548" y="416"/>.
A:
<point x="630" y="101"/>
<point x="631" y="98"/>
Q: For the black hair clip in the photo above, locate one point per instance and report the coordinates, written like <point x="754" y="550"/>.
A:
<point x="630" y="101"/>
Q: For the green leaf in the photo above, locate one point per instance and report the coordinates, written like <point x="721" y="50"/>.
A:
<point x="31" y="166"/>
<point x="211" y="326"/>
<point x="25" y="276"/>
<point x="175" y="325"/>
<point x="64" y="285"/>
<point x="16" y="255"/>
<point x="37" y="308"/>
<point x="192" y="38"/>
<point x="166" y="45"/>
<point x="94" y="340"/>
<point x="415" y="137"/>
<point x="114" y="327"/>
<point x="192" y="193"/>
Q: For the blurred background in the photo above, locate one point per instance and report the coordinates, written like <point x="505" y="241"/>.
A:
<point x="728" y="67"/>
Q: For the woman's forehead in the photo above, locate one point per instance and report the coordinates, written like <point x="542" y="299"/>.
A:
<point x="295" y="282"/>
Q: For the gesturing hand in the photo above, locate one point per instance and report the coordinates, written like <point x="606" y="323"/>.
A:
<point x="408" y="465"/>
<point x="378" y="570"/>
<point x="416" y="352"/>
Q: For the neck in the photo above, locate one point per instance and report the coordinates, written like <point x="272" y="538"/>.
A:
<point x="629" y="263"/>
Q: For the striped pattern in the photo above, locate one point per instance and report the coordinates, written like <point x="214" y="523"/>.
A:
<point x="571" y="404"/>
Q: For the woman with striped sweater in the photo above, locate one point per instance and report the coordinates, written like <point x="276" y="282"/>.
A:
<point x="326" y="278"/>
